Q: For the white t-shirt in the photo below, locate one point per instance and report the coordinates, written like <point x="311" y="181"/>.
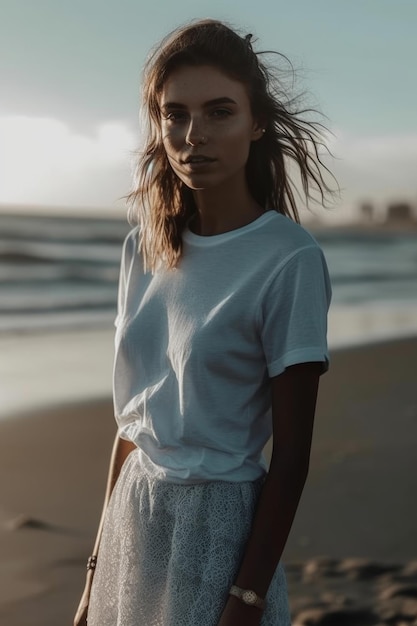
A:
<point x="196" y="346"/>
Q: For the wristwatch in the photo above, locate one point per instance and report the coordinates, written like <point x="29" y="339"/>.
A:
<point x="247" y="596"/>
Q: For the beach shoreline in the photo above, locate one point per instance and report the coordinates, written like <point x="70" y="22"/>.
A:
<point x="359" y="500"/>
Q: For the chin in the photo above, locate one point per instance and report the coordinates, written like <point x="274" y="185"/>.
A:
<point x="197" y="185"/>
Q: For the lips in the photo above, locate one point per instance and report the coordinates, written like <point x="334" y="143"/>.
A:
<point x="196" y="159"/>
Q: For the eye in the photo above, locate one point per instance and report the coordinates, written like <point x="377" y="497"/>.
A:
<point x="221" y="113"/>
<point x="175" y="117"/>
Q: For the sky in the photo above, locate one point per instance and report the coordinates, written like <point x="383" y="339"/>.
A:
<point x="70" y="85"/>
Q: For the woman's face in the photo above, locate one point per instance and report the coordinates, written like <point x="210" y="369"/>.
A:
<point x="207" y="126"/>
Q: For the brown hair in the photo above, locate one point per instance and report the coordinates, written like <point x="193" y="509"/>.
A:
<point x="159" y="201"/>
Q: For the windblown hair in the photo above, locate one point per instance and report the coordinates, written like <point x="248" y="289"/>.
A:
<point x="159" y="201"/>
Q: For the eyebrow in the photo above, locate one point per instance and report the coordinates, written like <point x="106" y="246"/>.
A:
<point x="177" y="105"/>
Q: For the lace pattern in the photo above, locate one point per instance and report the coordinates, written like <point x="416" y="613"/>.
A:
<point x="170" y="552"/>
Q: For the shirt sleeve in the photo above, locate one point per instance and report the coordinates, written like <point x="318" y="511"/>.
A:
<point x="128" y="251"/>
<point x="294" y="311"/>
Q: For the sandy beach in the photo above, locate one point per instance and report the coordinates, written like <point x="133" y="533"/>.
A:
<point x="359" y="500"/>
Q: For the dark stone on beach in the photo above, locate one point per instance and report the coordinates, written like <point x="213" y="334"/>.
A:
<point x="25" y="521"/>
<point x="364" y="569"/>
<point x="341" y="617"/>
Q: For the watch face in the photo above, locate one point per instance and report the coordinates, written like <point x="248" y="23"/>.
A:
<point x="249" y="597"/>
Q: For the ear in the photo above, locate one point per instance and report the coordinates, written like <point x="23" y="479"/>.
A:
<point x="258" y="130"/>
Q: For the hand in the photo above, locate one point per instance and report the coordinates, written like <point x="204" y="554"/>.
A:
<point x="80" y="618"/>
<point x="237" y="613"/>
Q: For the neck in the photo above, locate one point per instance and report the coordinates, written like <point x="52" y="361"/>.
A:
<point x="222" y="210"/>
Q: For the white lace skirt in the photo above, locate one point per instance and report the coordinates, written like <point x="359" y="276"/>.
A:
<point x="169" y="553"/>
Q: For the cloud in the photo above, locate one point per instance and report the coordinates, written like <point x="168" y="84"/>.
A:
<point x="380" y="167"/>
<point x="44" y="161"/>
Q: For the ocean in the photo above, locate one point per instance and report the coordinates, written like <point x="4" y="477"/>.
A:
<point x="62" y="272"/>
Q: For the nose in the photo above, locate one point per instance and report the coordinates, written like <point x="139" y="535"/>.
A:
<point x="195" y="133"/>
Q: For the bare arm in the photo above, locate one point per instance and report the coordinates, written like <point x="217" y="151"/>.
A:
<point x="121" y="449"/>
<point x="294" y="395"/>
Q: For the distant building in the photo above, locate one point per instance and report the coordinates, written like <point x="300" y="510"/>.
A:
<point x="367" y="211"/>
<point x="402" y="212"/>
<point x="395" y="213"/>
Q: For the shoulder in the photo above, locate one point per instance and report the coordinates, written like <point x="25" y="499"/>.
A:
<point x="132" y="237"/>
<point x="286" y="231"/>
<point x="284" y="240"/>
<point x="293" y="258"/>
<point x="131" y="243"/>
<point x="130" y="256"/>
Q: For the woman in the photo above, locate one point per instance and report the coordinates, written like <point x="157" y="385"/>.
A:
<point x="220" y="341"/>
